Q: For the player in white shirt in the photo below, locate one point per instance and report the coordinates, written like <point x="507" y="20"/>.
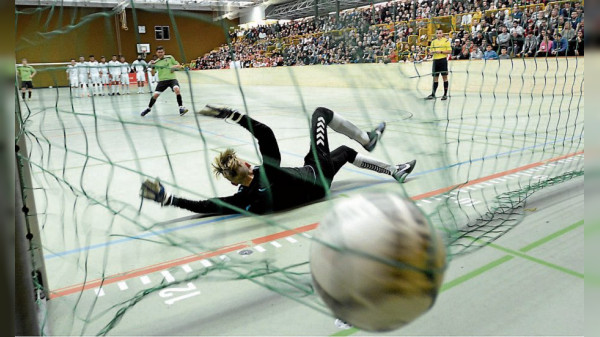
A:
<point x="152" y="78"/>
<point x="125" y="70"/>
<point x="104" y="77"/>
<point x="94" y="69"/>
<point x="83" y="73"/>
<point x="140" y="70"/>
<point x="114" y="69"/>
<point x="72" y="75"/>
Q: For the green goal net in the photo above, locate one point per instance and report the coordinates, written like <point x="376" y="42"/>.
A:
<point x="509" y="129"/>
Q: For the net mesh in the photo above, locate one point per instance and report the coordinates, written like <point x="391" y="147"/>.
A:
<point x="511" y="128"/>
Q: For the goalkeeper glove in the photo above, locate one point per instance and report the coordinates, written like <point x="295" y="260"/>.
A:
<point x="154" y="190"/>
<point x="221" y="112"/>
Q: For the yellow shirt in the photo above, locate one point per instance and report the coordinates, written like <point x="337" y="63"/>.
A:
<point x="442" y="44"/>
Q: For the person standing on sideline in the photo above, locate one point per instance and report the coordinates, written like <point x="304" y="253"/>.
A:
<point x="440" y="48"/>
<point x="84" y="73"/>
<point x="26" y="74"/>
<point x="104" y="76"/>
<point x="125" y="70"/>
<point x="94" y="71"/>
<point x="140" y="72"/>
<point x="152" y="77"/>
<point x="165" y="65"/>
<point x="72" y="76"/>
<point x="114" y="69"/>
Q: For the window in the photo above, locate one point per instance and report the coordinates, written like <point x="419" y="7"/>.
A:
<point x="162" y="33"/>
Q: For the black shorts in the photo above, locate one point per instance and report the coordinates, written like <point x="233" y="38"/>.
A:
<point x="440" y="67"/>
<point x="163" y="85"/>
<point x="27" y="85"/>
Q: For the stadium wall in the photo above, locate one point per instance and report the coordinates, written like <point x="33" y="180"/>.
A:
<point x="52" y="35"/>
<point x="539" y="76"/>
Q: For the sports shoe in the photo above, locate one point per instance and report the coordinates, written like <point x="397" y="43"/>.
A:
<point x="444" y="98"/>
<point x="145" y="112"/>
<point x="374" y="136"/>
<point x="182" y="110"/>
<point x="216" y="111"/>
<point x="403" y="170"/>
<point x="432" y="96"/>
<point x="341" y="324"/>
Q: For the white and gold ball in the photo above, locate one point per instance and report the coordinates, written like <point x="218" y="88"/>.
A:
<point x="376" y="262"/>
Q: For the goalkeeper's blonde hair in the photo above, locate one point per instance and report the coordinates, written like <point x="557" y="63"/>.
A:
<point x="226" y="164"/>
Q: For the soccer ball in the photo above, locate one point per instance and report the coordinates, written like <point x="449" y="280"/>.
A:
<point x="376" y="262"/>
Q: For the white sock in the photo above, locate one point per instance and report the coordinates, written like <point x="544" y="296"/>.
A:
<point x="345" y="127"/>
<point x="369" y="163"/>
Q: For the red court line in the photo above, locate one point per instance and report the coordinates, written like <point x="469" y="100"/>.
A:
<point x="240" y="245"/>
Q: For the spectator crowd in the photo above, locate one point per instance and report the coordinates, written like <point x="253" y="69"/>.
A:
<point x="397" y="32"/>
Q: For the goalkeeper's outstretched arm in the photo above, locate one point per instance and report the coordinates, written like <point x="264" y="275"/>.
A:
<point x="225" y="205"/>
<point x="155" y="191"/>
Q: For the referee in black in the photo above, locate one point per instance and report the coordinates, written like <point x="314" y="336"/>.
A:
<point x="440" y="48"/>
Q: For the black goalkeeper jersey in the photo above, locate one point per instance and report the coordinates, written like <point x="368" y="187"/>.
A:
<point x="273" y="188"/>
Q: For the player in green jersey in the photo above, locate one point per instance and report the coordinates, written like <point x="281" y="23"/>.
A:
<point x="165" y="65"/>
<point x="26" y="74"/>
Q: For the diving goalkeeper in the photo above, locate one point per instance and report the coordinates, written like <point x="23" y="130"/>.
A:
<point x="271" y="187"/>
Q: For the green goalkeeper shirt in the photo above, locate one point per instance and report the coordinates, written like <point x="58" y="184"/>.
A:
<point x="163" y="67"/>
<point x="25" y="72"/>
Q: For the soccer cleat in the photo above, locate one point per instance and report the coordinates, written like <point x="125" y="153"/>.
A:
<point x="374" y="136"/>
<point x="145" y="112"/>
<point x="432" y="96"/>
<point x="444" y="98"/>
<point x="182" y="111"/>
<point x="216" y="111"/>
<point x="403" y="170"/>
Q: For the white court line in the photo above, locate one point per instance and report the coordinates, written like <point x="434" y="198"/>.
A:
<point x="206" y="263"/>
<point x="99" y="292"/>
<point x="291" y="239"/>
<point x="260" y="249"/>
<point x="224" y="258"/>
<point x="145" y="279"/>
<point x="122" y="285"/>
<point x="167" y="276"/>
<point x="427" y="201"/>
<point x="276" y="244"/>
<point x="306" y="235"/>
<point x="186" y="268"/>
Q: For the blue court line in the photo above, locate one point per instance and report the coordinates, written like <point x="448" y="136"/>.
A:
<point x="195" y="224"/>
<point x="494" y="156"/>
<point x="488" y="130"/>
<point x="152" y="233"/>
